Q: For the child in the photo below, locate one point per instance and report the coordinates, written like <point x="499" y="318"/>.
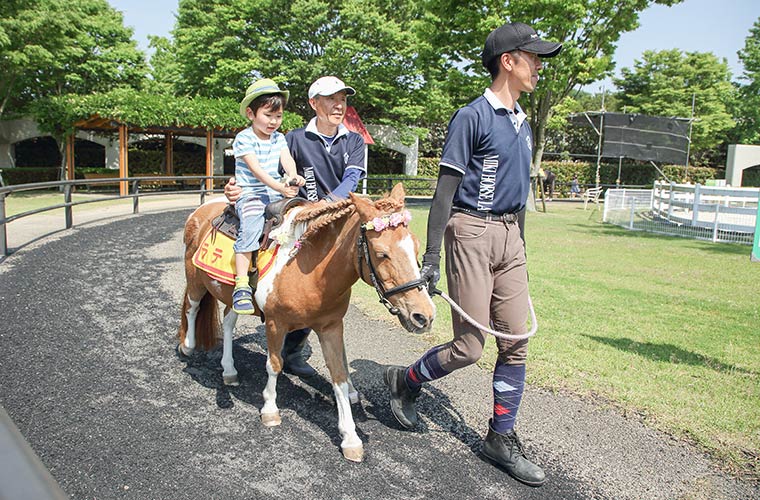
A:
<point x="259" y="150"/>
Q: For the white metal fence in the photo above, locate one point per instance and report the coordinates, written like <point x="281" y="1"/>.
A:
<point x="723" y="214"/>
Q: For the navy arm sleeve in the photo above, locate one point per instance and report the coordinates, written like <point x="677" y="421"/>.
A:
<point x="440" y="211"/>
<point x="348" y="184"/>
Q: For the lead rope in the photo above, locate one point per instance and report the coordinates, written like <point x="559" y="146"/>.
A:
<point x="505" y="336"/>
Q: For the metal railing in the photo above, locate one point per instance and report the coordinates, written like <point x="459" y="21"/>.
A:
<point x="69" y="187"/>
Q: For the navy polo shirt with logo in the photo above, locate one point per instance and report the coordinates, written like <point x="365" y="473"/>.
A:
<point x="326" y="166"/>
<point x="491" y="147"/>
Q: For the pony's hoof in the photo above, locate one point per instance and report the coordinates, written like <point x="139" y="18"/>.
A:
<point x="353" y="397"/>
<point x="184" y="352"/>
<point x="271" y="419"/>
<point x="231" y="380"/>
<point x="355" y="454"/>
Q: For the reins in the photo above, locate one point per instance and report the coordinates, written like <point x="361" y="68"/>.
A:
<point x="471" y="321"/>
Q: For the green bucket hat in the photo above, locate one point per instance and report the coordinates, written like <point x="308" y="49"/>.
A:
<point x="261" y="87"/>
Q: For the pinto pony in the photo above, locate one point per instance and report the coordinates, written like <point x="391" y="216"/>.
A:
<point x="309" y="284"/>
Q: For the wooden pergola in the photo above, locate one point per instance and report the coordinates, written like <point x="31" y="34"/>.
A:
<point x="97" y="123"/>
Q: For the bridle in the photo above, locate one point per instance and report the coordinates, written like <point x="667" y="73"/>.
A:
<point x="382" y="293"/>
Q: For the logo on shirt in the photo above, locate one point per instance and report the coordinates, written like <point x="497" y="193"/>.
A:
<point x="311" y="184"/>
<point x="488" y="182"/>
<point x="345" y="158"/>
<point x="529" y="142"/>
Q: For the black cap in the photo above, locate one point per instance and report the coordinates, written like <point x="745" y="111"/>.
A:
<point x="514" y="36"/>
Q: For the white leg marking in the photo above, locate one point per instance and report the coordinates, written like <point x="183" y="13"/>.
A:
<point x="228" y="364"/>
<point x="270" y="394"/>
<point x="191" y="314"/>
<point x="351" y="444"/>
<point x="353" y="394"/>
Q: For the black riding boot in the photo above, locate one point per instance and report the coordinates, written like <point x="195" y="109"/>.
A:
<point x="402" y="397"/>
<point x="294" y="360"/>
<point x="507" y="451"/>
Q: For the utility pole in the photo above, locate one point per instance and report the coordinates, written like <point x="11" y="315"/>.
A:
<point x="688" y="144"/>
<point x="599" y="145"/>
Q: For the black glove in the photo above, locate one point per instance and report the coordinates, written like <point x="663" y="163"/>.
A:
<point x="431" y="274"/>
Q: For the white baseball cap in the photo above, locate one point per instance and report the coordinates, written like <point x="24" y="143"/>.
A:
<point x="329" y="85"/>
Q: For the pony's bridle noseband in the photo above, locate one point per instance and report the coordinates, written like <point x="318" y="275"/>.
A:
<point x="363" y="253"/>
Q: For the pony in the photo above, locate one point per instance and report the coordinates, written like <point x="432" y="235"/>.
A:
<point x="324" y="249"/>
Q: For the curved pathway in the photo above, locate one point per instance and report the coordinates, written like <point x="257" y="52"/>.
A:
<point x="89" y="375"/>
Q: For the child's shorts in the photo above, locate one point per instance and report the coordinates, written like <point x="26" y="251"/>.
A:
<point x="250" y="211"/>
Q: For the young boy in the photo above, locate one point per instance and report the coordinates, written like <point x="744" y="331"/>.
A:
<point x="259" y="150"/>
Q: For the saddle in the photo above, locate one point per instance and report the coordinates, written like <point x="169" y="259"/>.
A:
<point x="274" y="213"/>
<point x="228" y="224"/>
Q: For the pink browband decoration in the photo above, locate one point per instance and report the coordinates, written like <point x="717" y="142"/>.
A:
<point x="386" y="221"/>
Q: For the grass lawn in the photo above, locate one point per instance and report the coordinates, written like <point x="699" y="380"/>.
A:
<point x="663" y="327"/>
<point x="25" y="201"/>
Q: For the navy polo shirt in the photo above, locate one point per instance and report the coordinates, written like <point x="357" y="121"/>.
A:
<point x="326" y="166"/>
<point x="491" y="147"/>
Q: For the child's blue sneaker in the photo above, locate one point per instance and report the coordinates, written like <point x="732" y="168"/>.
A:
<point x="242" y="300"/>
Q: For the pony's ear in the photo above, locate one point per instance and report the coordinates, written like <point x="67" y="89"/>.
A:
<point x="398" y="192"/>
<point x="365" y="208"/>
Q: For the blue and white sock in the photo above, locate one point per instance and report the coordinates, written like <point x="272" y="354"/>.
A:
<point x="425" y="369"/>
<point x="508" y="385"/>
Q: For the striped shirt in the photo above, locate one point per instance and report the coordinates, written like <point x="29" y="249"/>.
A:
<point x="267" y="152"/>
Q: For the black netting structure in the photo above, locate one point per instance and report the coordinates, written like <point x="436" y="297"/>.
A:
<point x="640" y="137"/>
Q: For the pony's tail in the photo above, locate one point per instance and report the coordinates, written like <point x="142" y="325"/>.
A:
<point x="206" y="323"/>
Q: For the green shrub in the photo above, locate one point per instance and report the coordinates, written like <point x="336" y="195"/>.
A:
<point x="427" y="167"/>
<point x="26" y="175"/>
<point x="631" y="174"/>
<point x="413" y="185"/>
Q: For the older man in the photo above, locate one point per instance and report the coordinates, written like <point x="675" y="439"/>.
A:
<point x="331" y="159"/>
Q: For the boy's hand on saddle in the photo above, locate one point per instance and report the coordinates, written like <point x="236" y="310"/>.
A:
<point x="297" y="181"/>
<point x="232" y="191"/>
<point x="289" y="191"/>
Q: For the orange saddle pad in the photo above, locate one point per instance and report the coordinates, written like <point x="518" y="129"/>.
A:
<point x="216" y="257"/>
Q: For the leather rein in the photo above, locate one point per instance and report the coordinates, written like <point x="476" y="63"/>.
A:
<point x="382" y="293"/>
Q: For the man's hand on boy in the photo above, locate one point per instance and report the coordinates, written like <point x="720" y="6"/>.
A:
<point x="232" y="191"/>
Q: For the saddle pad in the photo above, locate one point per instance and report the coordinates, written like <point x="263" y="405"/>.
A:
<point x="216" y="257"/>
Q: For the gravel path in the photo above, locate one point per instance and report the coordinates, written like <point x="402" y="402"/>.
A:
<point x="90" y="377"/>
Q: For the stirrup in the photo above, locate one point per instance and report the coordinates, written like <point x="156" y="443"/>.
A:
<point x="242" y="300"/>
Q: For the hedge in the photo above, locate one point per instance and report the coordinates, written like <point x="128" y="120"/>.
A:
<point x="631" y="174"/>
<point x="26" y="175"/>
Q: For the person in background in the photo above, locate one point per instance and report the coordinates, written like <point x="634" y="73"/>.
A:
<point x="549" y="183"/>
<point x="483" y="186"/>
<point x="575" y="189"/>
<point x="331" y="160"/>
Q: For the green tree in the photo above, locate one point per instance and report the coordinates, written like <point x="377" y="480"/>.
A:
<point x="748" y="105"/>
<point x="55" y="47"/>
<point x="663" y="83"/>
<point x="589" y="30"/>
<point x="164" y="76"/>
<point x="373" y="45"/>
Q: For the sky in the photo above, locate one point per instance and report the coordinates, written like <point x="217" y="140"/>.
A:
<point x="691" y="26"/>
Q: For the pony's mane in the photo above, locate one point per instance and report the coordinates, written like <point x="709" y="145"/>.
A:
<point x="319" y="215"/>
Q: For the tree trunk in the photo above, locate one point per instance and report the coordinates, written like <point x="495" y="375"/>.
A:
<point x="542" y="112"/>
<point x="62" y="150"/>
